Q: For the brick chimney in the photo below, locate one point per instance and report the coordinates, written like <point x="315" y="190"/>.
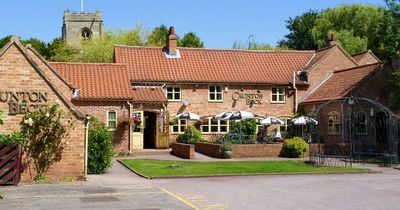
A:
<point x="331" y="40"/>
<point x="171" y="41"/>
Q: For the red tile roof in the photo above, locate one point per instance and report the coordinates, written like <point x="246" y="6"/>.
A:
<point x="212" y="65"/>
<point x="97" y="80"/>
<point x="342" y="82"/>
<point x="143" y="94"/>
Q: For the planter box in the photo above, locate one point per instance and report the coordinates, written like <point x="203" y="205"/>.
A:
<point x="183" y="150"/>
<point x="256" y="150"/>
<point x="212" y="150"/>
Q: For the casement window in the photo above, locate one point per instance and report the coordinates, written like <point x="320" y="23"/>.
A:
<point x="278" y="95"/>
<point x="173" y="93"/>
<point x="179" y="127"/>
<point x="112" y="119"/>
<point x="361" y="123"/>
<point x="215" y="93"/>
<point x="214" y="126"/>
<point x="333" y="122"/>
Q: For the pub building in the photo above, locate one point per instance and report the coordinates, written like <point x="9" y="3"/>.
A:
<point x="151" y="85"/>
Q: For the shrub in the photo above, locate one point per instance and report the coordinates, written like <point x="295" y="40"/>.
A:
<point x="99" y="147"/>
<point x="9" y="139"/>
<point x="190" y="136"/>
<point x="227" y="146"/>
<point x="244" y="130"/>
<point x="294" y="147"/>
<point x="44" y="131"/>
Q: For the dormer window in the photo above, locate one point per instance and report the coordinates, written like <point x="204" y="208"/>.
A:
<point x="303" y="77"/>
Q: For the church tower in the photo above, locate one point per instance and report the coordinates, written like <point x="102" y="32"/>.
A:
<point x="79" y="26"/>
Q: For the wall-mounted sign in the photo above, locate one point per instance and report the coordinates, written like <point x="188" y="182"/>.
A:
<point x="22" y="102"/>
<point x="251" y="98"/>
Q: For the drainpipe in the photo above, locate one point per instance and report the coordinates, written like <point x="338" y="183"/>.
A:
<point x="130" y="127"/>
<point x="295" y="92"/>
<point x="86" y="145"/>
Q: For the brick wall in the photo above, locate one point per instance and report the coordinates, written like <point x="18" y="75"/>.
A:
<point x="212" y="150"/>
<point x="17" y="74"/>
<point x="98" y="109"/>
<point x="256" y="150"/>
<point x="183" y="150"/>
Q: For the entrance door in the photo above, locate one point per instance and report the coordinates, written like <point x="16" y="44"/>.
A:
<point x="150" y="130"/>
<point x="138" y="130"/>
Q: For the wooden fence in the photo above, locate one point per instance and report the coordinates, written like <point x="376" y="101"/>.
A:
<point x="10" y="164"/>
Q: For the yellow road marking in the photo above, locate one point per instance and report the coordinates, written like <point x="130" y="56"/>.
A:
<point x="180" y="198"/>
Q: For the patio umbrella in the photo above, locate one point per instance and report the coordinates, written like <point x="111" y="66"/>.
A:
<point x="303" y="120"/>
<point x="271" y="121"/>
<point x="240" y="115"/>
<point x="222" y="115"/>
<point x="188" y="116"/>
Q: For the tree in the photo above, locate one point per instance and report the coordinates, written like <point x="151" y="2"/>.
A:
<point x="158" y="37"/>
<point x="252" y="44"/>
<point x="5" y="40"/>
<point x="40" y="46"/>
<point x="190" y="39"/>
<point x="300" y="35"/>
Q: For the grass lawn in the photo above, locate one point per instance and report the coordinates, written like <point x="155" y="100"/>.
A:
<point x="167" y="168"/>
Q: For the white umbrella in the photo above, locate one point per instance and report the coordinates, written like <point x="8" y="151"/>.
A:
<point x="222" y="115"/>
<point x="240" y="115"/>
<point x="188" y="116"/>
<point x="303" y="120"/>
<point x="271" y="121"/>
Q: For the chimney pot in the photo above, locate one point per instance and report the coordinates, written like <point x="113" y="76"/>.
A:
<point x="171" y="41"/>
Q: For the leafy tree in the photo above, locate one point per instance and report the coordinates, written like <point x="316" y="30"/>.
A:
<point x="300" y="35"/>
<point x="352" y="44"/>
<point x="40" y="46"/>
<point x="158" y="37"/>
<point x="5" y="40"/>
<point x="252" y="44"/>
<point x="190" y="39"/>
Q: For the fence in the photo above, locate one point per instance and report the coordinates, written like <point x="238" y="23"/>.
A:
<point x="10" y="164"/>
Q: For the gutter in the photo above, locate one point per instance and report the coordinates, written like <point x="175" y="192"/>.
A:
<point x="85" y="165"/>
<point x="130" y="127"/>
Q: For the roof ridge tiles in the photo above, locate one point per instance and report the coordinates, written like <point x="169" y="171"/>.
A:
<point x="357" y="67"/>
<point x="84" y="63"/>
<point x="220" y="49"/>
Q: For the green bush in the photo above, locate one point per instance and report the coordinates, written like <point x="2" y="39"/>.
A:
<point x="99" y="148"/>
<point x="190" y="136"/>
<point x="294" y="147"/>
<point x="9" y="139"/>
<point x="242" y="131"/>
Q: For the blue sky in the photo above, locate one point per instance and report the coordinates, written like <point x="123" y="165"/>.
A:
<point x="218" y="22"/>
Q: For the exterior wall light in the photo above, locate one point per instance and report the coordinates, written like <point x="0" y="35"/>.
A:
<point x="226" y="89"/>
<point x="185" y="102"/>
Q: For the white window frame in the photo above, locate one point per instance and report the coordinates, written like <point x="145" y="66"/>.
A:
<point x="278" y="94"/>
<point x="209" y="125"/>
<point x="334" y="123"/>
<point x="365" y="123"/>
<point x="179" y="124"/>
<point x="216" y="93"/>
<point x="173" y="92"/>
<point x="108" y="119"/>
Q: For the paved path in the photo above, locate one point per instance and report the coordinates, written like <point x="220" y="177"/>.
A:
<point x="122" y="189"/>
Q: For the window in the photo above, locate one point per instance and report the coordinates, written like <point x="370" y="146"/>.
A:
<point x="173" y="93"/>
<point x="214" y="126"/>
<point x="215" y="93"/>
<point x="278" y="95"/>
<point x="361" y="123"/>
<point x="333" y="123"/>
<point x="179" y="127"/>
<point x="112" y="119"/>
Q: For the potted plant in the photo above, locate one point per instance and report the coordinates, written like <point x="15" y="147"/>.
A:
<point x="125" y="121"/>
<point x="173" y="121"/>
<point x="227" y="149"/>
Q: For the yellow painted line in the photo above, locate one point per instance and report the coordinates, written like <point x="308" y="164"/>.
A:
<point x="180" y="199"/>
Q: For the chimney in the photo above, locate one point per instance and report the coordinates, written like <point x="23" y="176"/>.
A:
<point x="171" y="41"/>
<point x="331" y="40"/>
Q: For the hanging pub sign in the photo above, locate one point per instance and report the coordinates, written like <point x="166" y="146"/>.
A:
<point x="251" y="98"/>
<point x="22" y="102"/>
